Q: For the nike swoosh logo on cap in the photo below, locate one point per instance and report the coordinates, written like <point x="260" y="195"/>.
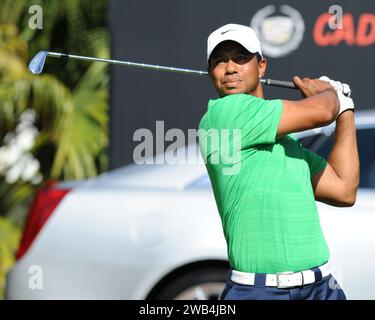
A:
<point x="226" y="31"/>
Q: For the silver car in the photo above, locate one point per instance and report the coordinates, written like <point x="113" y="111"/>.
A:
<point x="153" y="232"/>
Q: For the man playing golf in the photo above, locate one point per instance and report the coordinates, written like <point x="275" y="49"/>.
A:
<point x="275" y="244"/>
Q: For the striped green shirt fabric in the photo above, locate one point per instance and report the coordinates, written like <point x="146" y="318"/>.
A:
<point x="267" y="206"/>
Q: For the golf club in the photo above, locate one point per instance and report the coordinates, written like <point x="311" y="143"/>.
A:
<point x="37" y="63"/>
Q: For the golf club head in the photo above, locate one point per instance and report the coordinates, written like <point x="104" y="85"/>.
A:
<point x="37" y="63"/>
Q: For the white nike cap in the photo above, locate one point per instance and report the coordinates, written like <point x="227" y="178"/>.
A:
<point x="244" y="35"/>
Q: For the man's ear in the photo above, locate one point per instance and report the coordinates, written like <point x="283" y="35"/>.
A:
<point x="209" y="71"/>
<point x="262" y="67"/>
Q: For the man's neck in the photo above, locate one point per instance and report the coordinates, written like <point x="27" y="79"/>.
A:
<point x="258" y="92"/>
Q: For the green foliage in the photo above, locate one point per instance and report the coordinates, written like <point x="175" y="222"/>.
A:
<point x="9" y="239"/>
<point x="70" y="102"/>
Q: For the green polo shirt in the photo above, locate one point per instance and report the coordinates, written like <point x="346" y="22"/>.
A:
<point x="262" y="186"/>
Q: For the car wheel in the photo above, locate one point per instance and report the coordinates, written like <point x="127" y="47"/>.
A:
<point x="200" y="284"/>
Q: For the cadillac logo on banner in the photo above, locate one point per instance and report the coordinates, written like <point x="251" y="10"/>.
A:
<point x="279" y="34"/>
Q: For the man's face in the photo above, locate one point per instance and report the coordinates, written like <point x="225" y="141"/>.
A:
<point x="233" y="69"/>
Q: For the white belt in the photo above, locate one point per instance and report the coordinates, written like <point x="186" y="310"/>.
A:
<point x="287" y="279"/>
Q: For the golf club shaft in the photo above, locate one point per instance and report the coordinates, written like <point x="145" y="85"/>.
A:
<point x="129" y="64"/>
<point x="270" y="82"/>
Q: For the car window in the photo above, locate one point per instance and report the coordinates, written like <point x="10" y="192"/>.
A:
<point x="366" y="150"/>
<point x="316" y="141"/>
<point x="308" y="141"/>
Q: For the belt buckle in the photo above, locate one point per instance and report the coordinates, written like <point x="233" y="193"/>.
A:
<point x="285" y="273"/>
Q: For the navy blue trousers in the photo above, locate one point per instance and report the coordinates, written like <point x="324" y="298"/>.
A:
<point x="323" y="289"/>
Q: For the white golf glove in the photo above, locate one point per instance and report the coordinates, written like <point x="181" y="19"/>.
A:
<point x="343" y="93"/>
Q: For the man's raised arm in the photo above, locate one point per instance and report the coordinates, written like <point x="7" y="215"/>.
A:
<point x="319" y="107"/>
